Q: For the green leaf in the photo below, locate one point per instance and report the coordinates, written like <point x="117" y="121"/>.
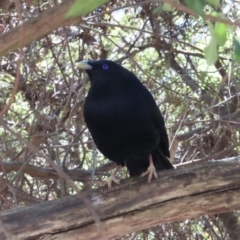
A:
<point x="236" y="50"/>
<point x="82" y="7"/>
<point x="218" y="32"/>
<point x="211" y="29"/>
<point x="157" y="10"/>
<point x="196" y="5"/>
<point x="221" y="33"/>
<point x="210" y="51"/>
<point x="215" y="3"/>
<point x="167" y="7"/>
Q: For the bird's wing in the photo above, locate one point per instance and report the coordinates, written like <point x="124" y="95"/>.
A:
<point x="159" y="123"/>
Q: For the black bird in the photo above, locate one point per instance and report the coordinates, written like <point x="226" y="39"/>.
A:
<point x="124" y="120"/>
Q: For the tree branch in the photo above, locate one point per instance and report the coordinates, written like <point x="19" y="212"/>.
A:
<point x="44" y="23"/>
<point x="43" y="173"/>
<point x="176" y="195"/>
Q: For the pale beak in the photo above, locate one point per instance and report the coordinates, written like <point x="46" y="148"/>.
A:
<point x="84" y="65"/>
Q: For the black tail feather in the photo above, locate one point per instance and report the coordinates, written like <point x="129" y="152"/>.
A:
<point x="139" y="165"/>
<point x="160" y="161"/>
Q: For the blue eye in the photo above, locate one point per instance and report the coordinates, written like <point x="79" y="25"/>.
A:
<point x="105" y="66"/>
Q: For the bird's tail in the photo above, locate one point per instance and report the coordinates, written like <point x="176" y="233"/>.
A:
<point x="160" y="161"/>
<point x="137" y="166"/>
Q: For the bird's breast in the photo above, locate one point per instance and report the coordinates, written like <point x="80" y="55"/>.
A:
<point x="106" y="113"/>
<point x="122" y="124"/>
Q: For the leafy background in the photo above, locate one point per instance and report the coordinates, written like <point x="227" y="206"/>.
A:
<point x="187" y="59"/>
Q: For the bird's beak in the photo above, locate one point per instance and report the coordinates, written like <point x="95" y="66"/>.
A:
<point x="84" y="65"/>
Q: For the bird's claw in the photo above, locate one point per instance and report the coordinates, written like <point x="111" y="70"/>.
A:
<point x="150" y="172"/>
<point x="111" y="179"/>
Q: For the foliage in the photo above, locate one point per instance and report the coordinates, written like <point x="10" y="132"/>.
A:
<point x="81" y="7"/>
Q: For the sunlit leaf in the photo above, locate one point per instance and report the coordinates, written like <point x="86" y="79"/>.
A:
<point x="215" y="3"/>
<point x="211" y="29"/>
<point x="221" y="33"/>
<point x="167" y="7"/>
<point x="210" y="51"/>
<point x="196" y="5"/>
<point x="157" y="10"/>
<point x="82" y="7"/>
<point x="236" y="50"/>
<point x="218" y="32"/>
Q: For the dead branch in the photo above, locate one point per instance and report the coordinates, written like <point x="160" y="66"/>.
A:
<point x="43" y="173"/>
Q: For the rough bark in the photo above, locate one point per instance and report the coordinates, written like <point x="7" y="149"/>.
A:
<point x="134" y="205"/>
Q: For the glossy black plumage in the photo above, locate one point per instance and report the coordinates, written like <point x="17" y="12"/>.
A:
<point x="123" y="118"/>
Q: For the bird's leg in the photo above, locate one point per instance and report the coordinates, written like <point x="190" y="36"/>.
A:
<point x="151" y="170"/>
<point x="113" y="178"/>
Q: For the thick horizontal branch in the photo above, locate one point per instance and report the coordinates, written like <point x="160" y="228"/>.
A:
<point x="43" y="173"/>
<point x="36" y="28"/>
<point x="134" y="205"/>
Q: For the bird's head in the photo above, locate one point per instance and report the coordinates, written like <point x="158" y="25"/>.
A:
<point x="102" y="72"/>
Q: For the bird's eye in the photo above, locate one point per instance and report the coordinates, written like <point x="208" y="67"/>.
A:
<point x="105" y="66"/>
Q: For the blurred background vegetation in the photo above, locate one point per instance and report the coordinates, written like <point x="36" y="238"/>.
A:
<point x="189" y="64"/>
